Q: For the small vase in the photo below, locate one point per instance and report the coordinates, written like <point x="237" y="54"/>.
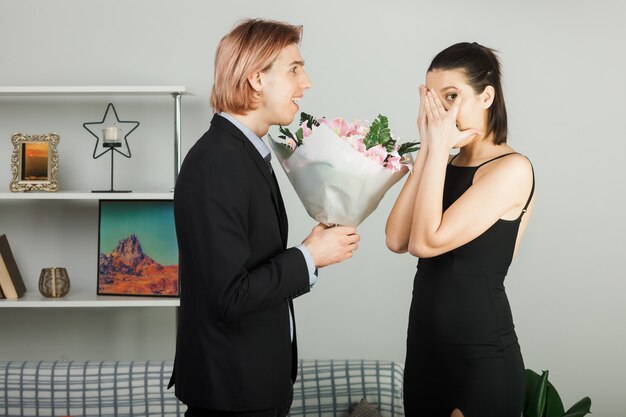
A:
<point x="54" y="282"/>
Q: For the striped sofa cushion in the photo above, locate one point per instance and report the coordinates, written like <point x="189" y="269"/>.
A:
<point x="124" y="389"/>
<point x="116" y="389"/>
<point x="334" y="387"/>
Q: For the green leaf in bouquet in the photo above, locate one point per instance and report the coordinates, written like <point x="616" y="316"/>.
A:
<point x="580" y="409"/>
<point x="408" y="147"/>
<point x="379" y="132"/>
<point x="310" y="120"/>
<point x="299" y="136"/>
<point x="286" y="133"/>
<point x="390" y="144"/>
<point x="281" y="149"/>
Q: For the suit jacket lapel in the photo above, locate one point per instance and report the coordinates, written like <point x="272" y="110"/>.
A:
<point x="282" y="213"/>
<point x="273" y="184"/>
<point x="265" y="171"/>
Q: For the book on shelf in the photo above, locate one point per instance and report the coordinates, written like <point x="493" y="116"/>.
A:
<point x="10" y="278"/>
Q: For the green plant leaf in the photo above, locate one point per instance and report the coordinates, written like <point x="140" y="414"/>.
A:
<point x="541" y="398"/>
<point x="532" y="381"/>
<point x="576" y="414"/>
<point x="580" y="409"/>
<point x="539" y="390"/>
<point x="554" y="405"/>
<point x="537" y="402"/>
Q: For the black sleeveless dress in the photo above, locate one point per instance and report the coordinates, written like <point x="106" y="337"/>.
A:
<point x="462" y="350"/>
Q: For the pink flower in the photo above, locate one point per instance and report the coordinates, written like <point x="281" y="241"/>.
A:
<point x="354" y="134"/>
<point x="339" y="126"/>
<point x="325" y="121"/>
<point x="354" y="130"/>
<point x="291" y="143"/>
<point x="357" y="143"/>
<point x="394" y="164"/>
<point x="363" y="130"/>
<point x="377" y="153"/>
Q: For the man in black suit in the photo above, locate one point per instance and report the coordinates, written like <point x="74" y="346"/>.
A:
<point x="236" y="347"/>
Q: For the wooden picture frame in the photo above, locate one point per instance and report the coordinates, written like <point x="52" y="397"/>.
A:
<point x="34" y="162"/>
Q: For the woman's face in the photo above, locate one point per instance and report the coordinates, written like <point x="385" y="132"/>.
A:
<point x="447" y="84"/>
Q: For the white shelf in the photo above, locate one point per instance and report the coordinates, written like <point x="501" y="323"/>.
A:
<point x="92" y="90"/>
<point x="33" y="299"/>
<point x="88" y="299"/>
<point x="176" y="91"/>
<point x="79" y="195"/>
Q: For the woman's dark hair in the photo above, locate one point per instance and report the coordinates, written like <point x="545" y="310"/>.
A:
<point x="482" y="68"/>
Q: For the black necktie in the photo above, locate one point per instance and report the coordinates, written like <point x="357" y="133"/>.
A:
<point x="268" y="159"/>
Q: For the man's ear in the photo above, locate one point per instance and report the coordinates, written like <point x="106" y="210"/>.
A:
<point x="487" y="96"/>
<point x="256" y="82"/>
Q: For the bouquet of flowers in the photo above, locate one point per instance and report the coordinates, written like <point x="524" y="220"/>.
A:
<point x="341" y="170"/>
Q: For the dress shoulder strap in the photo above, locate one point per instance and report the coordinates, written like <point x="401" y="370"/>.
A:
<point x="453" y="158"/>
<point x="532" y="190"/>
<point x="497" y="157"/>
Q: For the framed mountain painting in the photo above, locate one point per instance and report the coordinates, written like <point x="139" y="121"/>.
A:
<point x="137" y="248"/>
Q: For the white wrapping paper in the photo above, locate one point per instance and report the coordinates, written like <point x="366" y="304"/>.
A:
<point x="337" y="184"/>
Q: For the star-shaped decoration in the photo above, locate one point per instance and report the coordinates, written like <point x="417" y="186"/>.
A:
<point x="134" y="124"/>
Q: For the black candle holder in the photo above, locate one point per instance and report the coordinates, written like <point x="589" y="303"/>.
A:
<point x="111" y="146"/>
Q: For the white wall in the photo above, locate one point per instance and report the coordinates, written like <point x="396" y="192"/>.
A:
<point x="563" y="65"/>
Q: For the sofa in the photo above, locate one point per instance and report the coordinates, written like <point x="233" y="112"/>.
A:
<point x="121" y="389"/>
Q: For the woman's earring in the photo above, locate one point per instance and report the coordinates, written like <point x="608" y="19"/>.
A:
<point x="258" y="93"/>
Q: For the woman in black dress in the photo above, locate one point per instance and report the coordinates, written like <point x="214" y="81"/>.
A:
<point x="463" y="216"/>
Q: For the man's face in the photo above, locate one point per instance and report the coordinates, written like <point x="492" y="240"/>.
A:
<point x="282" y="86"/>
